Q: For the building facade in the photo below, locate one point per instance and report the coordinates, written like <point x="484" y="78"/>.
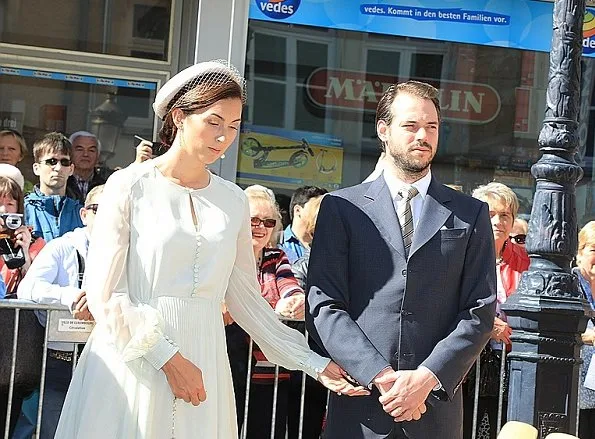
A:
<point x="315" y="70"/>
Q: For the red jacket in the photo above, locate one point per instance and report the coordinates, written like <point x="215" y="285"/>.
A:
<point x="514" y="261"/>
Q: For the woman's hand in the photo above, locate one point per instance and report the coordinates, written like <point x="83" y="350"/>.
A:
<point x="292" y="307"/>
<point x="336" y="380"/>
<point x="501" y="331"/>
<point x="185" y="379"/>
<point x="23" y="239"/>
<point x="144" y="151"/>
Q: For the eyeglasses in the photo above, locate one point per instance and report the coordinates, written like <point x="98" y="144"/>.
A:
<point x="92" y="207"/>
<point x="269" y="223"/>
<point x="519" y="239"/>
<point x="54" y="161"/>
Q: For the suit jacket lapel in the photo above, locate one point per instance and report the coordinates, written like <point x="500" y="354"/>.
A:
<point x="434" y="215"/>
<point x="379" y="207"/>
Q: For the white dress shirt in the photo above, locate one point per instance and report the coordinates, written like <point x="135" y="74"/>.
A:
<point x="417" y="202"/>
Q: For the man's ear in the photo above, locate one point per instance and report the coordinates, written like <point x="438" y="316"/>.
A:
<point x="71" y="171"/>
<point x="382" y="130"/>
<point x="83" y="214"/>
<point x="36" y="168"/>
<point x="297" y="210"/>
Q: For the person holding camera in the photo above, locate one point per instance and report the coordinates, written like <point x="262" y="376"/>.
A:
<point x="47" y="209"/>
<point x="56" y="278"/>
<point x="18" y="246"/>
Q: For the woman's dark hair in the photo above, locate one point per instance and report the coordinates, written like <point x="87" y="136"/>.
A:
<point x="203" y="93"/>
<point x="10" y="188"/>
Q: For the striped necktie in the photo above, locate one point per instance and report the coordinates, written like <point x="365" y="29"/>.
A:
<point x="405" y="216"/>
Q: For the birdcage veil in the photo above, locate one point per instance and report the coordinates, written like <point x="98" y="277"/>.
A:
<point x="194" y="81"/>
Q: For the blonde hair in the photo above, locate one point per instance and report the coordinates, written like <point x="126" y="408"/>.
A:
<point x="19" y="139"/>
<point x="94" y="194"/>
<point x="258" y="193"/>
<point x="586" y="236"/>
<point x="495" y="191"/>
<point x="521" y="224"/>
<point x="310" y="215"/>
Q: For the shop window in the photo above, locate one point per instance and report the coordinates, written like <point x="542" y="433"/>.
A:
<point x="35" y="102"/>
<point x="317" y="126"/>
<point x="134" y="28"/>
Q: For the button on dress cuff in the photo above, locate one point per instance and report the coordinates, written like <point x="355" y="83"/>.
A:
<point x="316" y="364"/>
<point x="160" y="354"/>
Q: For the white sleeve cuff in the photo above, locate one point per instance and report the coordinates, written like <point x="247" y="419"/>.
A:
<point x="161" y="352"/>
<point x="439" y="385"/>
<point x="316" y="364"/>
<point x="67" y="296"/>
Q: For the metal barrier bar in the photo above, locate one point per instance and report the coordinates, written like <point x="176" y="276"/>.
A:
<point x="476" y="399"/>
<point x="275" y="397"/>
<point x="44" y="360"/>
<point x="13" y="366"/>
<point x="247" y="399"/>
<point x="501" y="389"/>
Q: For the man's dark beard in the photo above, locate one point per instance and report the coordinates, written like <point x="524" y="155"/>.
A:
<point x="412" y="168"/>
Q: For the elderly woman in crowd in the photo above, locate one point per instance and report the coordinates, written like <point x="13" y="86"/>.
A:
<point x="585" y="271"/>
<point x="281" y="290"/>
<point x="511" y="261"/>
<point x="13" y="149"/>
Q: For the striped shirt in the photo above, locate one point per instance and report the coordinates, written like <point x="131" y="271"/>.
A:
<point x="275" y="276"/>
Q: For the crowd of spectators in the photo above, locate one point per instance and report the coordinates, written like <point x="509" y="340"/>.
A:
<point x="43" y="260"/>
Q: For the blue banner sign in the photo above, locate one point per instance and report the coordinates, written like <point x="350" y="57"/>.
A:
<point x="95" y="80"/>
<point x="520" y="24"/>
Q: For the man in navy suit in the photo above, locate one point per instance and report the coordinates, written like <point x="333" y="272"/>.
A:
<point x="402" y="283"/>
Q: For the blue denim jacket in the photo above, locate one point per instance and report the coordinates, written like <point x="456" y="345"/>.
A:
<point x="51" y="216"/>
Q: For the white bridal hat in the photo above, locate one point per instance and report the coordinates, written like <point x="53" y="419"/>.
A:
<point x="216" y="72"/>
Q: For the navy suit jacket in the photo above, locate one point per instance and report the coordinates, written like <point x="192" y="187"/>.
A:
<point x="368" y="307"/>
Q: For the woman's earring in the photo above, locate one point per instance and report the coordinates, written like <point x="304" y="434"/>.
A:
<point x="222" y="156"/>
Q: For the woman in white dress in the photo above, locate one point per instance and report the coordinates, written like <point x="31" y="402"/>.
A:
<point x="171" y="243"/>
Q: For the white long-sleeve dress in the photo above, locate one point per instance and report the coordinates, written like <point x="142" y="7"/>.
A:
<point x="161" y="261"/>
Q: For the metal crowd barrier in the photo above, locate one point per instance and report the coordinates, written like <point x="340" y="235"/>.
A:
<point x="61" y="327"/>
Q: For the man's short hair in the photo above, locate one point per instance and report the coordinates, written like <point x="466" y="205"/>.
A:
<point x="78" y="134"/>
<point x="302" y="195"/>
<point x="52" y="143"/>
<point x="94" y="194"/>
<point x="495" y="191"/>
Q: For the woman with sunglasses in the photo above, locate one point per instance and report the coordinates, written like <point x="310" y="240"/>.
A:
<point x="280" y="289"/>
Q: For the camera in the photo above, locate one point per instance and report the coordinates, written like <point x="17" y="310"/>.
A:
<point x="12" y="221"/>
<point x="11" y="253"/>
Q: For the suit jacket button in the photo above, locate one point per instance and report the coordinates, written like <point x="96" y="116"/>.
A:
<point x="404" y="272"/>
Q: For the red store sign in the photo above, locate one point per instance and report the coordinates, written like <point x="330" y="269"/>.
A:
<point x="351" y="90"/>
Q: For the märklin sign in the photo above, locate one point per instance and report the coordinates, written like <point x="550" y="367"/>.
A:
<point x="466" y="102"/>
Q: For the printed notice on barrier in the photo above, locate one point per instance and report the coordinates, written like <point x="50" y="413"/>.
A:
<point x="74" y="325"/>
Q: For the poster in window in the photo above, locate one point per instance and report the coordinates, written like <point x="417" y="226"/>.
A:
<point x="289" y="159"/>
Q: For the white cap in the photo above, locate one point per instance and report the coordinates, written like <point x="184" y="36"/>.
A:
<point x="178" y="81"/>
<point x="13" y="173"/>
<point x="78" y="134"/>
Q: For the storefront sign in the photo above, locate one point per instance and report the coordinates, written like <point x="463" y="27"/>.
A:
<point x="289" y="159"/>
<point x="350" y="90"/>
<point x="95" y="80"/>
<point x="521" y="24"/>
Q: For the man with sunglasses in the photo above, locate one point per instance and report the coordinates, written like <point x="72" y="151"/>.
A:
<point x="55" y="277"/>
<point x="47" y="209"/>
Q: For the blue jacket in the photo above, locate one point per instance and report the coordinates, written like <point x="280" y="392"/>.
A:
<point x="51" y="216"/>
